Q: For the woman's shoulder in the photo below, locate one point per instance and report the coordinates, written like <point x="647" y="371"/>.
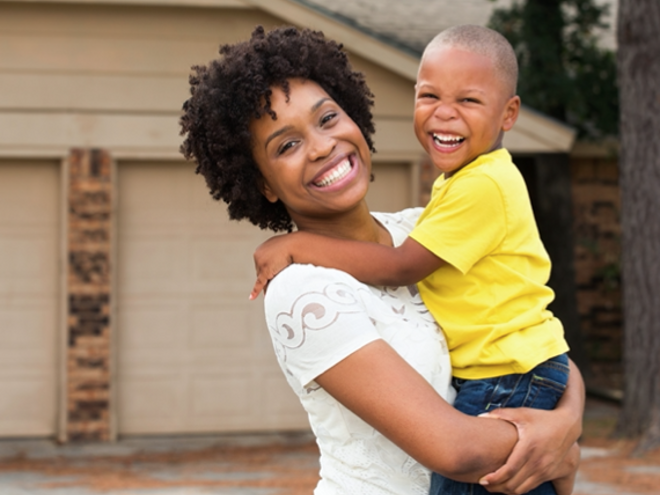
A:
<point x="399" y="224"/>
<point x="316" y="317"/>
<point x="298" y="283"/>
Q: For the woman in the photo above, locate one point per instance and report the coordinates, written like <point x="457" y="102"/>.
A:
<point x="281" y="129"/>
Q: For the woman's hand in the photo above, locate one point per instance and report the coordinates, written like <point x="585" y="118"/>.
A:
<point x="270" y="258"/>
<point x="547" y="447"/>
<point x="546" y="450"/>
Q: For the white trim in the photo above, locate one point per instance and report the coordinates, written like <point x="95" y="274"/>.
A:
<point x="63" y="327"/>
<point x="236" y="4"/>
<point x="126" y="136"/>
<point x="114" y="321"/>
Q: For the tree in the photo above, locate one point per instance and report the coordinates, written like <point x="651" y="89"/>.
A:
<point x="639" y="162"/>
<point x="563" y="71"/>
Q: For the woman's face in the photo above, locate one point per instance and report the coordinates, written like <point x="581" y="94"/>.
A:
<point x="313" y="157"/>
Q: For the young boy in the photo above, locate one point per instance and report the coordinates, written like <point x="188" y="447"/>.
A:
<point x="475" y="253"/>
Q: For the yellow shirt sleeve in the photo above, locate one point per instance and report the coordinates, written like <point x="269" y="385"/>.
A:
<point x="470" y="224"/>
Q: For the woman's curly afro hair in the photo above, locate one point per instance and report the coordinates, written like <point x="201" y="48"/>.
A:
<point x="231" y="91"/>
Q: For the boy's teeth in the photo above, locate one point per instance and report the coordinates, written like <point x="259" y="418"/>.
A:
<point x="339" y="172"/>
<point x="447" y="140"/>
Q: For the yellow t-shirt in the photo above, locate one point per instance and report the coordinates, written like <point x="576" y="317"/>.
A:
<point x="491" y="296"/>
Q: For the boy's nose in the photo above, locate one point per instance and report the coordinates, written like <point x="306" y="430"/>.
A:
<point x="445" y="111"/>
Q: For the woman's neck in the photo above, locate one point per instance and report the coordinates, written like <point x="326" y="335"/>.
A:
<point x="357" y="225"/>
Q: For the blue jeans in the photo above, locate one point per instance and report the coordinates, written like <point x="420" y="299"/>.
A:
<point x="540" y="388"/>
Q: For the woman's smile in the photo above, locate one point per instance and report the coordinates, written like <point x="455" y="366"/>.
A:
<point x="337" y="174"/>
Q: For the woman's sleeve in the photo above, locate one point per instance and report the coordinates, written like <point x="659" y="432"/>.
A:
<point x="316" y="317"/>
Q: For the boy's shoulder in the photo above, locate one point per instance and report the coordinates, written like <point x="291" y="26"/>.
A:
<point x="495" y="163"/>
<point x="496" y="166"/>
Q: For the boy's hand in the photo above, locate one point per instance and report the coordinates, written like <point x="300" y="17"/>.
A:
<point x="270" y="258"/>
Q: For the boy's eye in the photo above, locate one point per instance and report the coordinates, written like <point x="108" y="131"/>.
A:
<point x="470" y="100"/>
<point x="428" y="95"/>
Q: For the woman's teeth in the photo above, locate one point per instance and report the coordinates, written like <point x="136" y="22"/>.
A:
<point x="339" y="172"/>
<point x="447" y="140"/>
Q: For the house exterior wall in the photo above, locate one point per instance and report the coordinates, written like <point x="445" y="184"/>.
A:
<point x="92" y="85"/>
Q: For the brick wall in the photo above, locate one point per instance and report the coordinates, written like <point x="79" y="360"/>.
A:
<point x="596" y="207"/>
<point x="89" y="326"/>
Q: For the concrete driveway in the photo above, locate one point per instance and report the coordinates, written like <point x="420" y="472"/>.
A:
<point x="227" y="465"/>
<point x="274" y="464"/>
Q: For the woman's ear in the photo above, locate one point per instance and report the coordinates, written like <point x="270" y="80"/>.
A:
<point x="266" y="190"/>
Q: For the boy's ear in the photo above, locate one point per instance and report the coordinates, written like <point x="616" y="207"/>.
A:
<point x="511" y="111"/>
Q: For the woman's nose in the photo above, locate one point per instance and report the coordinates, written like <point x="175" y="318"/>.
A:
<point x="321" y="145"/>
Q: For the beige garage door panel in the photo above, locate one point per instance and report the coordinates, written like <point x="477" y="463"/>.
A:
<point x="392" y="187"/>
<point x="194" y="353"/>
<point x="29" y="228"/>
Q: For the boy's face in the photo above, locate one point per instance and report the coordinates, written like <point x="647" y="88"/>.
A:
<point x="462" y="107"/>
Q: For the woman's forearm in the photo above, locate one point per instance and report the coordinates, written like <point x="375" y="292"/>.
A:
<point x="381" y="388"/>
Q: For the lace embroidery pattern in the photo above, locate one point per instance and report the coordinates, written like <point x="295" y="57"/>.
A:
<point x="314" y="311"/>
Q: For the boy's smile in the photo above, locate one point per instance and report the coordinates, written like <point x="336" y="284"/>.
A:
<point x="462" y="107"/>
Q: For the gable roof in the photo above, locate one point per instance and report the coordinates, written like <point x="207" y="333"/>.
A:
<point x="534" y="132"/>
<point x="411" y="24"/>
<point x="152" y="131"/>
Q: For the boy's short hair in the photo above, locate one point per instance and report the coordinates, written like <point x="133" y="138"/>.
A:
<point x="483" y="41"/>
<point x="229" y="92"/>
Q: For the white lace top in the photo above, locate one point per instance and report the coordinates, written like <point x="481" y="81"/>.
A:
<point x="317" y="317"/>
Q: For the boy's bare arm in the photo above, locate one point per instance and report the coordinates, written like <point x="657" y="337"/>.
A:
<point x="371" y="263"/>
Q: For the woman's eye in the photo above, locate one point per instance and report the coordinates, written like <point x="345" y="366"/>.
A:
<point x="285" y="146"/>
<point x="327" y="118"/>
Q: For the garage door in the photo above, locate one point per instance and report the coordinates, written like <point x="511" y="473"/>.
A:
<point x="391" y="189"/>
<point x="29" y="227"/>
<point x="194" y="354"/>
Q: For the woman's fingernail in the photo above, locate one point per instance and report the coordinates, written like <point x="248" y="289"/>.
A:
<point x="483" y="482"/>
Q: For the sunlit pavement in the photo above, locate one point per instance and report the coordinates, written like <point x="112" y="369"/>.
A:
<point x="230" y="465"/>
<point x="275" y="464"/>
